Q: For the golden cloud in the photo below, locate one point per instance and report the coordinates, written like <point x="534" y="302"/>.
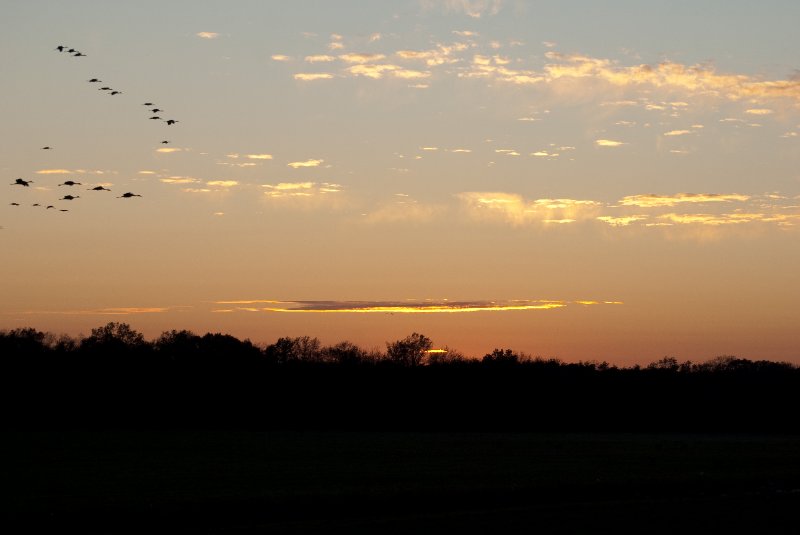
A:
<point x="653" y="200"/>
<point x="54" y="172"/>
<point x="677" y="133"/>
<point x="609" y="143"/>
<point x="307" y="163"/>
<point x="310" y="77"/>
<point x="512" y="208"/>
<point x="622" y="221"/>
<point x="207" y="35"/>
<point x="320" y="58"/>
<point x="259" y="156"/>
<point x="355" y="57"/>
<point x="179" y="180"/>
<point x="168" y="150"/>
<point x="223" y="183"/>
<point x="280" y="57"/>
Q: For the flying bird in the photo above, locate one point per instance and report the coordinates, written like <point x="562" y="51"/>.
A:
<point x="36" y="204"/>
<point x="71" y="183"/>
<point x="98" y="188"/>
<point x="116" y="93"/>
<point x="49" y="206"/>
<point x="71" y="50"/>
<point x="14" y="204"/>
<point x="147" y="104"/>
<point x="156" y="110"/>
<point x="78" y="55"/>
<point x="171" y="121"/>
<point x="95" y="80"/>
<point x="20" y="182"/>
<point x="128" y="195"/>
<point x="165" y="142"/>
<point x="104" y="89"/>
<point x="47" y="148"/>
<point x="155" y="117"/>
<point x="60" y="48"/>
<point x="69" y="198"/>
<point x="63" y="210"/>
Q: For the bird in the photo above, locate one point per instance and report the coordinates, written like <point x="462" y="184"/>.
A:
<point x="98" y="188"/>
<point x="156" y="110"/>
<point x="105" y="89"/>
<point x="49" y="206"/>
<point x="78" y="55"/>
<point x="68" y="198"/>
<point x="47" y="148"/>
<point x="71" y="50"/>
<point x="20" y="182"/>
<point x="155" y="117"/>
<point x="36" y="204"/>
<point x="147" y="104"/>
<point x="171" y="121"/>
<point x="165" y="142"/>
<point x="128" y="195"/>
<point x="60" y="48"/>
<point x="63" y="210"/>
<point x="14" y="204"/>
<point x="93" y="80"/>
<point x="71" y="183"/>
<point x="116" y="93"/>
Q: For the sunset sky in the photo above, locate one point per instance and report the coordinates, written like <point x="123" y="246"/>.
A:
<point x="610" y="180"/>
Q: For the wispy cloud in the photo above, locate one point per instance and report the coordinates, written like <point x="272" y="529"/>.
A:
<point x="55" y="172"/>
<point x="306" y="163"/>
<point x="281" y="57"/>
<point x="222" y="183"/>
<point x="168" y="150"/>
<point x="320" y="58"/>
<point x="407" y="307"/>
<point x="207" y="35"/>
<point x="179" y="180"/>
<point x="514" y="209"/>
<point x="609" y="143"/>
<point x="361" y="57"/>
<point x="672" y="133"/>
<point x="310" y="77"/>
<point x="653" y="200"/>
<point x="259" y="156"/>
<point x="300" y="189"/>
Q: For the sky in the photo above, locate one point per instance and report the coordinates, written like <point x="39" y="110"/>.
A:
<point x="585" y="180"/>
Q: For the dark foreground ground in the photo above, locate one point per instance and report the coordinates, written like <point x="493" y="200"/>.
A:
<point x="236" y="482"/>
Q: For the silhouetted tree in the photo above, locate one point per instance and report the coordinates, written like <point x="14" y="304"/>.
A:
<point x="300" y="349"/>
<point x="114" y="336"/>
<point x="344" y="354"/>
<point x="410" y="351"/>
<point x="502" y="357"/>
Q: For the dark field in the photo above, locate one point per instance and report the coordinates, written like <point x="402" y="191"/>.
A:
<point x="383" y="482"/>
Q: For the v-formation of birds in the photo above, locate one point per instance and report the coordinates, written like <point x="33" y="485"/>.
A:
<point x="153" y="109"/>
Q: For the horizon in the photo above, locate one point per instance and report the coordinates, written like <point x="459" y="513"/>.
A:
<point x="600" y="183"/>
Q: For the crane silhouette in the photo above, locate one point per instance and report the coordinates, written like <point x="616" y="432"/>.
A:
<point x="98" y="188"/>
<point x="71" y="183"/>
<point x="116" y="93"/>
<point x="20" y="182"/>
<point x="69" y="198"/>
<point x="93" y="80"/>
<point x="14" y="204"/>
<point x="128" y="195"/>
<point x="171" y="121"/>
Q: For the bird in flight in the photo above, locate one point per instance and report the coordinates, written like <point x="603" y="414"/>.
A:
<point x="20" y="182"/>
<point x="98" y="188"/>
<point x="128" y="195"/>
<point x="71" y="183"/>
<point x="116" y="93"/>
<point x="165" y="142"/>
<point x="171" y="121"/>
<point x="155" y="117"/>
<point x="36" y="204"/>
<point x="156" y="110"/>
<point x="78" y="55"/>
<point x="49" y="206"/>
<point x="60" y="48"/>
<point x="147" y="104"/>
<point x="68" y="198"/>
<point x="14" y="204"/>
<point x="93" y="80"/>
<point x="47" y="148"/>
<point x="105" y="89"/>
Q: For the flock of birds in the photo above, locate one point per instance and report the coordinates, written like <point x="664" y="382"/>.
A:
<point x="154" y="112"/>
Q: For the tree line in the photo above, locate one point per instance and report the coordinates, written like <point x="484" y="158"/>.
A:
<point x="114" y="377"/>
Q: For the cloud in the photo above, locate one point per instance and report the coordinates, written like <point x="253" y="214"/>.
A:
<point x="677" y="133"/>
<point x="113" y="311"/>
<point x="472" y="8"/>
<point x="310" y="77"/>
<point x="300" y="189"/>
<point x="360" y="57"/>
<point x="320" y="58"/>
<point x="410" y="307"/>
<point x="207" y="35"/>
<point x="622" y="221"/>
<point x="306" y="163"/>
<point x="280" y="57"/>
<point x="759" y="111"/>
<point x="180" y="180"/>
<point x="653" y="200"/>
<point x="54" y="172"/>
<point x="514" y="209"/>
<point x="168" y="150"/>
<point x="609" y="143"/>
<point x="441" y="55"/>
<point x="223" y="183"/>
<point x="147" y="173"/>
<point x="259" y="156"/>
